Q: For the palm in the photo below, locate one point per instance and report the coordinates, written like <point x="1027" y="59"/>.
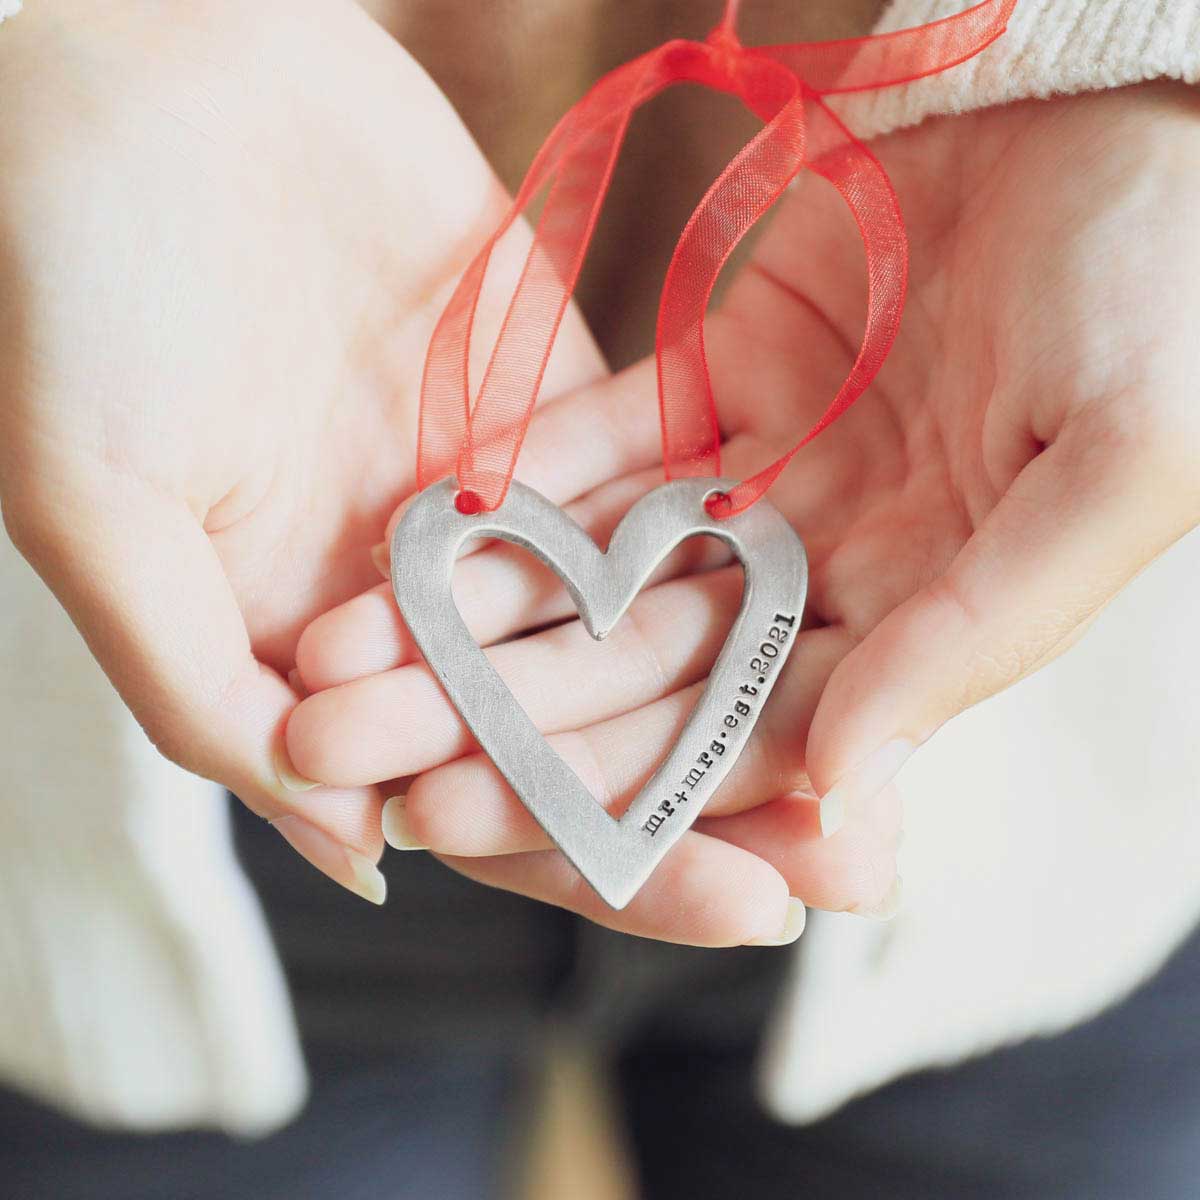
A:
<point x="1026" y="307"/>
<point x="290" y="248"/>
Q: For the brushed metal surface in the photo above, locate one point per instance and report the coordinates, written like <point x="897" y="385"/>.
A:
<point x="615" y="856"/>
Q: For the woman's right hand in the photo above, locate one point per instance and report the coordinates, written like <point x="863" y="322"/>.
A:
<point x="226" y="230"/>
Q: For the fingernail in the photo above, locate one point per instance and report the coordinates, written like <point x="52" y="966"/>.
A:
<point x="288" y="775"/>
<point x="352" y="870"/>
<point x="381" y="559"/>
<point x="395" y="826"/>
<point x="889" y="906"/>
<point x="860" y="783"/>
<point x="793" y="926"/>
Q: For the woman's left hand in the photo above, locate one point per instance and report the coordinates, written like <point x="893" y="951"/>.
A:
<point x="1031" y="444"/>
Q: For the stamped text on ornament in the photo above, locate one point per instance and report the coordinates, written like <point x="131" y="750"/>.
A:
<point x="742" y="708"/>
<point x="616" y="856"/>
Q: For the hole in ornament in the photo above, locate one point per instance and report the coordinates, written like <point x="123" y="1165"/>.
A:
<point x="468" y="503"/>
<point x="718" y="506"/>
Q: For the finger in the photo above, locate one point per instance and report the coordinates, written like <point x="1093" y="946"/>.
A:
<point x="142" y="582"/>
<point x="400" y="722"/>
<point x="499" y="593"/>
<point x="1075" y="526"/>
<point x="852" y="872"/>
<point x="704" y="893"/>
<point x="465" y="808"/>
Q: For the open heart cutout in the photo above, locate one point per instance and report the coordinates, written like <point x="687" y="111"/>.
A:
<point x="615" y="855"/>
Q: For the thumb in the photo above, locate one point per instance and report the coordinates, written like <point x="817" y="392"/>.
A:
<point x="142" y="582"/>
<point x="1075" y="526"/>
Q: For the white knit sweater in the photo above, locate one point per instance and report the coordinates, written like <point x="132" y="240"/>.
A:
<point x="1051" y="47"/>
<point x="137" y="983"/>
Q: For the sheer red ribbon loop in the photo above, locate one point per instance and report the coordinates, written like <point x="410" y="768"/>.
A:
<point x="783" y="85"/>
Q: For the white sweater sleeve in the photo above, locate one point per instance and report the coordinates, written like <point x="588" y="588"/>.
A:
<point x="1052" y="47"/>
<point x="9" y="8"/>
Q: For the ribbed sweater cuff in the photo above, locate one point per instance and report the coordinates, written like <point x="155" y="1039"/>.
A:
<point x="1052" y="47"/>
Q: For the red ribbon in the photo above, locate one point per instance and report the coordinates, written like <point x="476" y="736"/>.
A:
<point x="783" y="85"/>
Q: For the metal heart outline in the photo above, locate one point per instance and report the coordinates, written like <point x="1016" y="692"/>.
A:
<point x="615" y="855"/>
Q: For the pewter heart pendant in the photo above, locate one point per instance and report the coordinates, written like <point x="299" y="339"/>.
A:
<point x="616" y="856"/>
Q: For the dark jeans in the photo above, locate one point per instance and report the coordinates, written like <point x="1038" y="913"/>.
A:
<point x="421" y="1021"/>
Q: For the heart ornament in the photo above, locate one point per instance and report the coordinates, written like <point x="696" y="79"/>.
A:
<point x="615" y="855"/>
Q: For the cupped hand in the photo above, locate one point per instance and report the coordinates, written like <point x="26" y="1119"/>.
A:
<point x="227" y="232"/>
<point x="1030" y="445"/>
